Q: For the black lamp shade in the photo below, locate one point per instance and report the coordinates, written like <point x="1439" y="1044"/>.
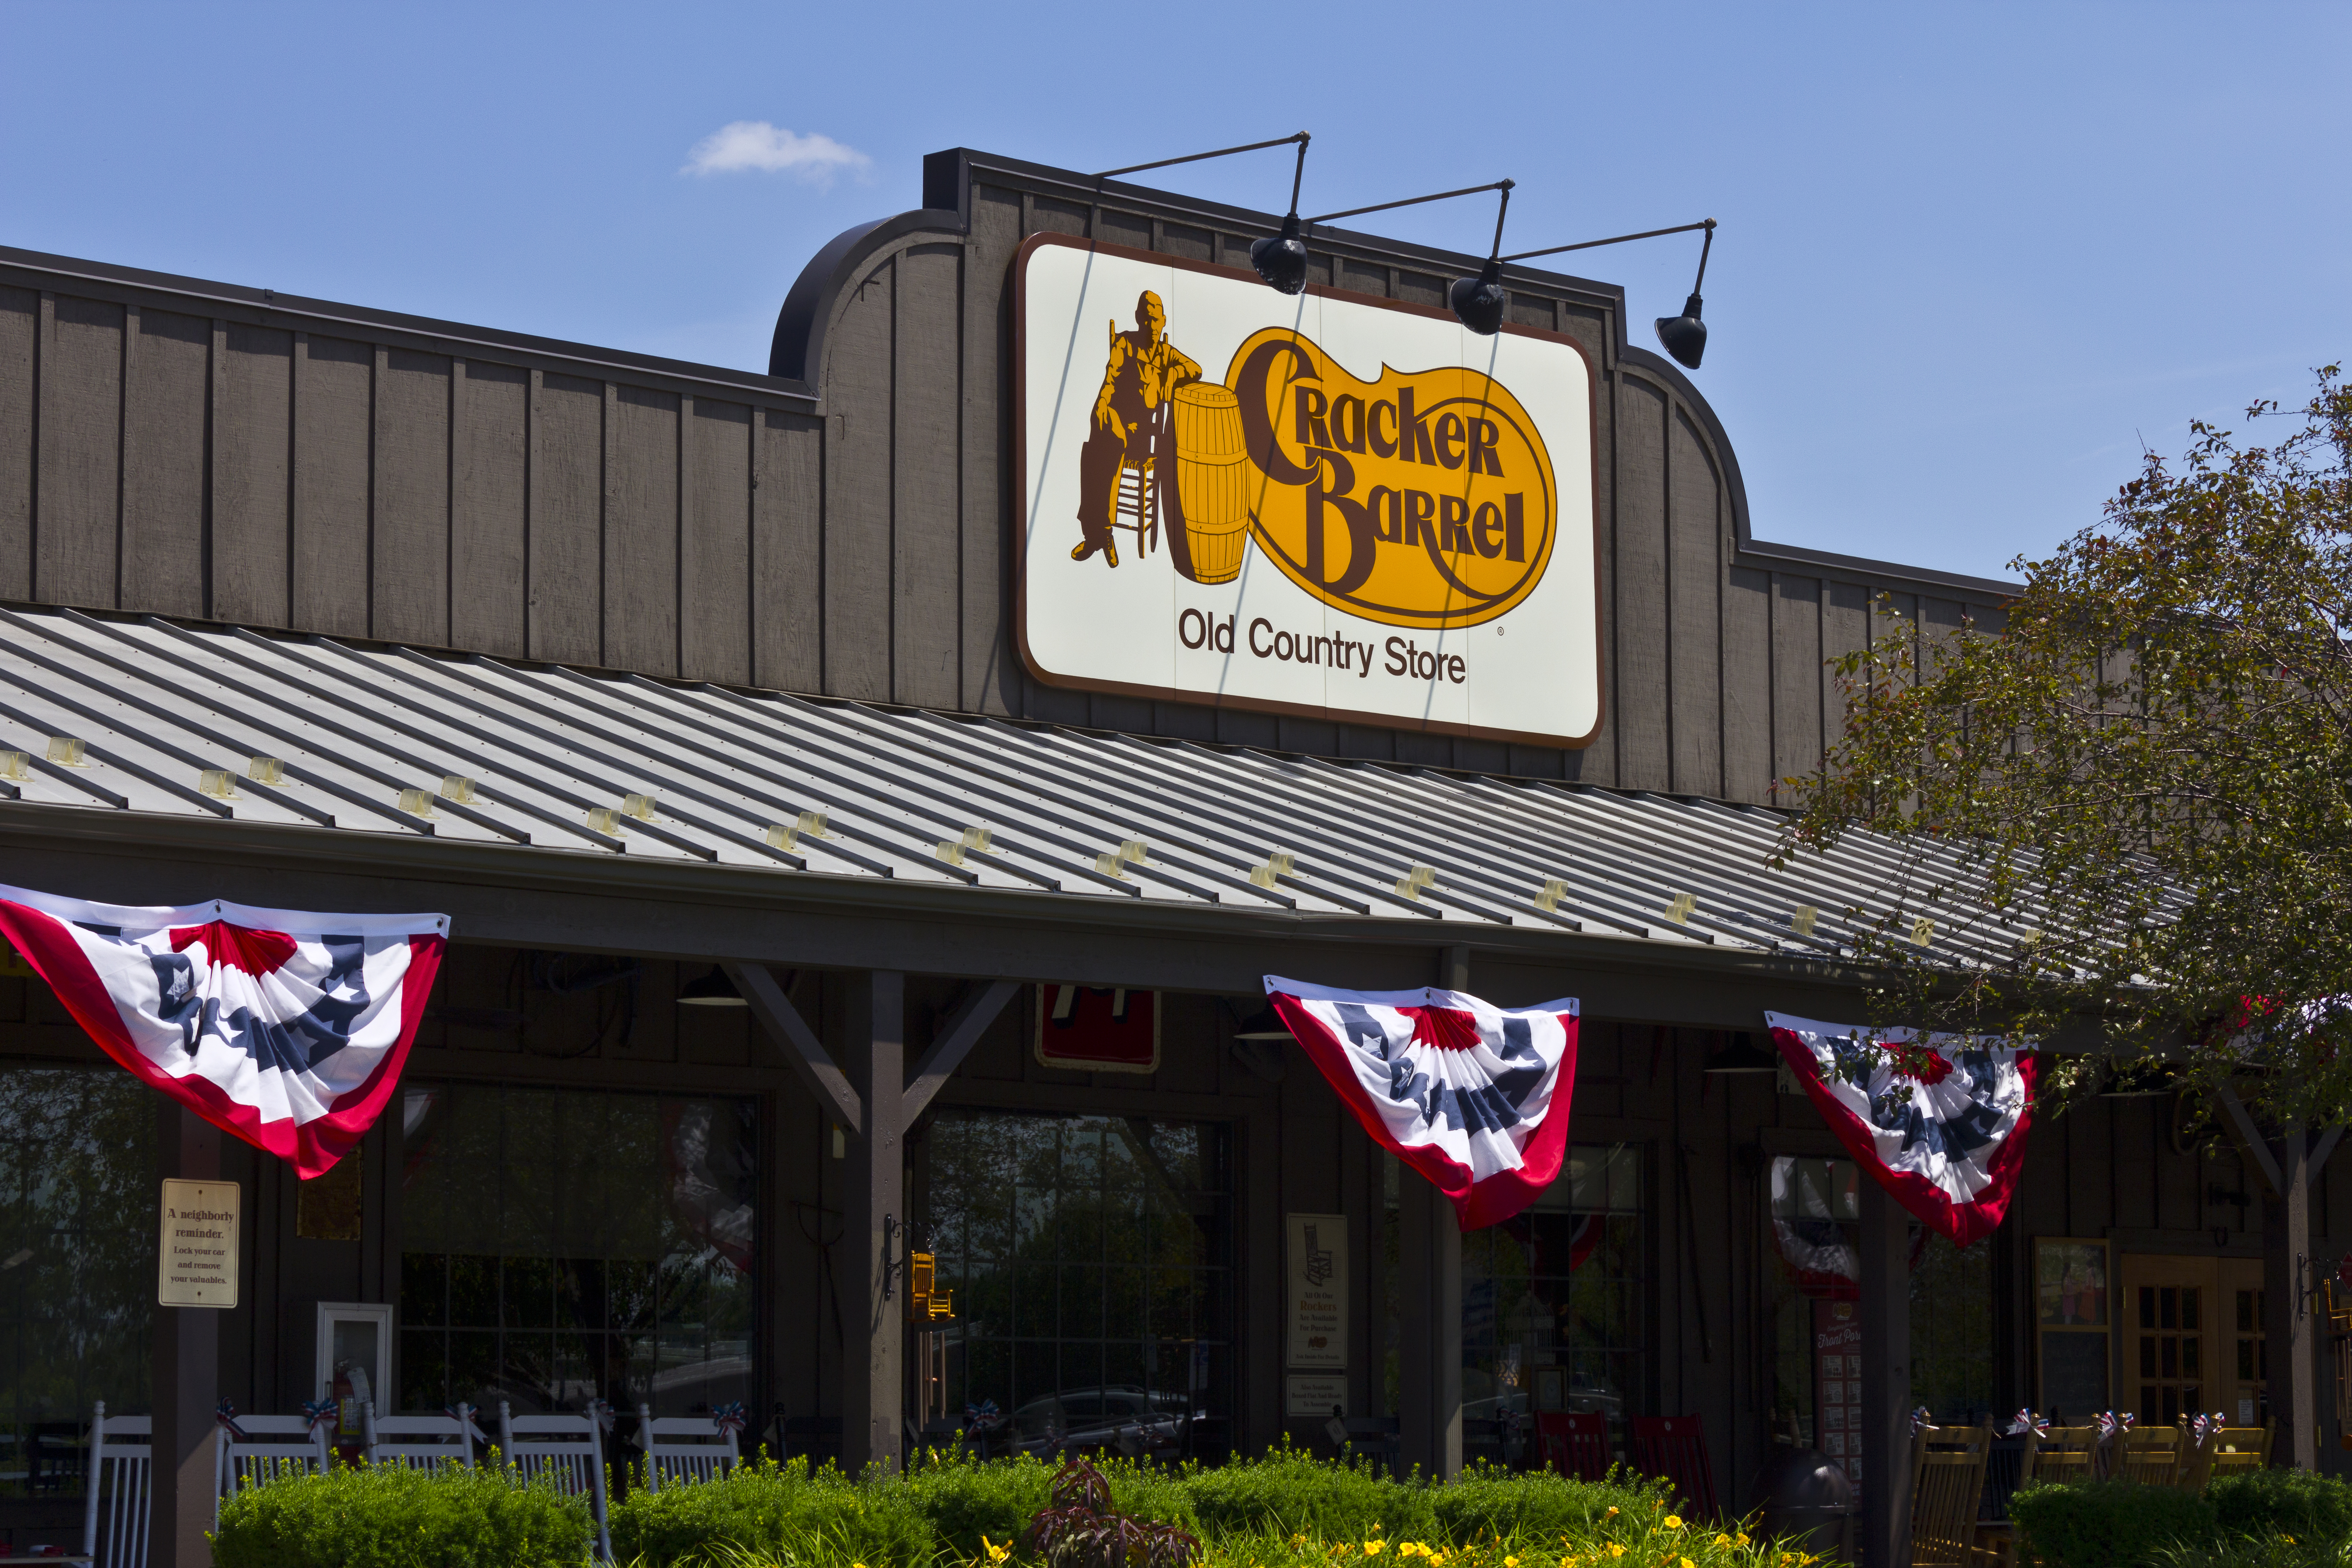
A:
<point x="1281" y="260"/>
<point x="1478" y="302"/>
<point x="1685" y="336"/>
<point x="1744" y="1056"/>
<point x="1264" y="1023"/>
<point x="713" y="990"/>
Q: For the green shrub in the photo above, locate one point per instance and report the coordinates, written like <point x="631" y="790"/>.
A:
<point x="2311" y="1508"/>
<point x="964" y="1499"/>
<point x="392" y="1516"/>
<point x="2106" y="1524"/>
<point x="1489" y="1502"/>
<point x="1290" y="1492"/>
<point x="788" y="1512"/>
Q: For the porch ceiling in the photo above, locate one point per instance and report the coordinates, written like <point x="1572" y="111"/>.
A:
<point x="371" y="743"/>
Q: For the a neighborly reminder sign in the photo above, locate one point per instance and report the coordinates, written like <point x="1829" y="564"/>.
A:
<point x="196" y="1263"/>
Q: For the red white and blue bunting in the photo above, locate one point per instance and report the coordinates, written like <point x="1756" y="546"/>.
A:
<point x="1472" y="1096"/>
<point x="1950" y="1149"/>
<point x="288" y="1029"/>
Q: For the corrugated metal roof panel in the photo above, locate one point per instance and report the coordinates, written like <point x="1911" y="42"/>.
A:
<point x="343" y="738"/>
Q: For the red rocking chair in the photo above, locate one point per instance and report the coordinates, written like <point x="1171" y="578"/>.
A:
<point x="1574" y="1444"/>
<point x="1674" y="1447"/>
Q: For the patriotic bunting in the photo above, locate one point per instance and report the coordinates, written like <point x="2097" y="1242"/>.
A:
<point x="286" y="1030"/>
<point x="1938" y="1120"/>
<point x="1472" y="1096"/>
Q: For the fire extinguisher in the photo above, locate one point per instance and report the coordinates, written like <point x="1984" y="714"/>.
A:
<point x="350" y="1392"/>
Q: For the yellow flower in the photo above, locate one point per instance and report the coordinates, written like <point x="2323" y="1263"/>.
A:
<point x="996" y="1554"/>
<point x="1612" y="1514"/>
<point x="1739" y="1539"/>
<point x="1372" y="1548"/>
<point x="1616" y="1550"/>
<point x="1674" y="1522"/>
<point x="1510" y="1562"/>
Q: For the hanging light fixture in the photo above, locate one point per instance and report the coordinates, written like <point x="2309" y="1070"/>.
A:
<point x="1280" y="260"/>
<point x="1264" y="1023"/>
<point x="713" y="990"/>
<point x="1743" y="1055"/>
<point x="1477" y="302"/>
<point x="1683" y="336"/>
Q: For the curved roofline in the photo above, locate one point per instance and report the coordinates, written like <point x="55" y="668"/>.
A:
<point x="797" y="350"/>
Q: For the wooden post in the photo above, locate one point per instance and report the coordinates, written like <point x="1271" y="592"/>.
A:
<point x="1885" y="1307"/>
<point x="1430" y="1288"/>
<point x="873" y="1282"/>
<point x="187" y="1374"/>
<point x="2288" y="1327"/>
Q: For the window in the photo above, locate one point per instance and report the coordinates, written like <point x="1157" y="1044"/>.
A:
<point x="1559" y="1286"/>
<point x="1091" y="1258"/>
<point x="2072" y="1321"/>
<point x="1812" y="1290"/>
<point x="77" y="1226"/>
<point x="563" y="1245"/>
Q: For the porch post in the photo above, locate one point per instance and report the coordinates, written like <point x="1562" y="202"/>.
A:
<point x="2287" y="1327"/>
<point x="873" y="1388"/>
<point x="1429" y="1257"/>
<point x="1885" y="1306"/>
<point x="187" y="1374"/>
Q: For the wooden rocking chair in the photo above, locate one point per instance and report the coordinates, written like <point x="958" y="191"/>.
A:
<point x="1574" y="1444"/>
<point x="2153" y="1456"/>
<point x="1674" y="1447"/>
<point x="1947" y="1471"/>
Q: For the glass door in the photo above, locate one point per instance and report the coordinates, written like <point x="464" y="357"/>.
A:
<point x="2167" y="1322"/>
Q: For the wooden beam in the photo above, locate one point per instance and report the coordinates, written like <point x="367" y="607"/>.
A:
<point x="873" y="1281"/>
<point x="2321" y="1150"/>
<point x="2250" y="1141"/>
<point x="801" y="1050"/>
<point x="1885" y="1306"/>
<point x="961" y="1033"/>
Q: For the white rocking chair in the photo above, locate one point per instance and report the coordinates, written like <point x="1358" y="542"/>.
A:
<point x="570" y="1448"/>
<point x="685" y="1447"/>
<point x="274" y="1447"/>
<point x="421" y="1442"/>
<point x="114" y="1514"/>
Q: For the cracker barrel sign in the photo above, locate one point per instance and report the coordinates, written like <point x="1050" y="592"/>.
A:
<point x="1327" y="504"/>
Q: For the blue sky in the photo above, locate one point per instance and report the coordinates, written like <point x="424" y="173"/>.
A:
<point x="1971" y="257"/>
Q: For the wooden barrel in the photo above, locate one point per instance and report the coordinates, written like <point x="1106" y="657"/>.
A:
<point x="1212" y="475"/>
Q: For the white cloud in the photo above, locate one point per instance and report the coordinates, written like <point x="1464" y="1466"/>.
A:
<point x="755" y="144"/>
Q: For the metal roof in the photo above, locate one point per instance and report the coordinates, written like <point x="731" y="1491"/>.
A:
<point x="367" y="739"/>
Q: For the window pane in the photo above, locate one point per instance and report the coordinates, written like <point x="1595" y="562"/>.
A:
<point x="76" y="1253"/>
<point x="1091" y="1259"/>
<point x="578" y="1245"/>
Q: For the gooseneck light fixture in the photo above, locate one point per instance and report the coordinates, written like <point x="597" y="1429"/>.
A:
<point x="1280" y="260"/>
<point x="1684" y="336"/>
<point x="1477" y="302"/>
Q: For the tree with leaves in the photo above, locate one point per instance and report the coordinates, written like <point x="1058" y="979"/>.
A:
<point x="2120" y="821"/>
<point x="2137" y="787"/>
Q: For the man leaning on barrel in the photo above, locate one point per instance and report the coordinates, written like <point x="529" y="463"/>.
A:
<point x="1144" y="370"/>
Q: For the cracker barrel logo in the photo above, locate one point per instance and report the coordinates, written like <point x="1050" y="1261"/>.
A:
<point x="1425" y="498"/>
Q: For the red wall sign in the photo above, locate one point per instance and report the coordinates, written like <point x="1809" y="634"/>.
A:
<point x="1098" y="1028"/>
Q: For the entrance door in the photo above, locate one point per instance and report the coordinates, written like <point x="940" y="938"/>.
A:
<point x="2167" y="1319"/>
<point x="2240" y="1377"/>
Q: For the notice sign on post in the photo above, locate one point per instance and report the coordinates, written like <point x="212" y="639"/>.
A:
<point x="196" y="1263"/>
<point x="1329" y="504"/>
<point x="1318" y="1290"/>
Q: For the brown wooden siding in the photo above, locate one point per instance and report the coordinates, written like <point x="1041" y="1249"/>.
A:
<point x="159" y="453"/>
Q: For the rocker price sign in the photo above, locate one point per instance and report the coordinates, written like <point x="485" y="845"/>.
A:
<point x="1328" y="504"/>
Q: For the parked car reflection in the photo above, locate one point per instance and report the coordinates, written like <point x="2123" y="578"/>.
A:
<point x="1120" y="1420"/>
